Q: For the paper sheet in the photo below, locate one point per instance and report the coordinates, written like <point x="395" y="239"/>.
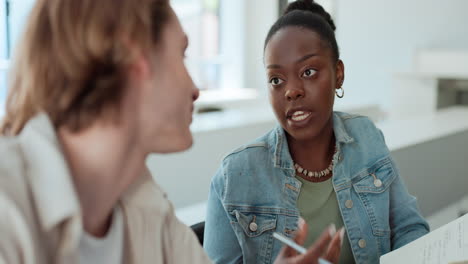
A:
<point x="445" y="245"/>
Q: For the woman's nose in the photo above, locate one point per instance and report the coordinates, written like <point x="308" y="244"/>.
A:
<point x="294" y="93"/>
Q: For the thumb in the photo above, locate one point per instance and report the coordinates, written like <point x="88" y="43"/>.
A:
<point x="302" y="231"/>
<point x="299" y="238"/>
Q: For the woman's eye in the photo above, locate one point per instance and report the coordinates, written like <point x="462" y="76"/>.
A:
<point x="309" y="73"/>
<point x="276" y="81"/>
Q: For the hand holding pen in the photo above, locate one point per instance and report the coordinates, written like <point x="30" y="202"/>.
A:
<point x="325" y="250"/>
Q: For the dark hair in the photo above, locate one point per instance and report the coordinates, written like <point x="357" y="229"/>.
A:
<point x="310" y="15"/>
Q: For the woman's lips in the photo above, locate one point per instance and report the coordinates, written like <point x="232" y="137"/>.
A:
<point x="300" y="115"/>
<point x="299" y="118"/>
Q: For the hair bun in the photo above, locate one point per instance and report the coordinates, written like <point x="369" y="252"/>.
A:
<point x="311" y="6"/>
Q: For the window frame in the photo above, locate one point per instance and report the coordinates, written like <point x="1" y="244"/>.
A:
<point x="4" y="52"/>
<point x="239" y="79"/>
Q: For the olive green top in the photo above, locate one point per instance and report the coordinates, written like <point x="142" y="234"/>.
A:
<point x="318" y="206"/>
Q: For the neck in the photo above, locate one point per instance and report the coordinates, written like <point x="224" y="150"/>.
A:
<point x="314" y="154"/>
<point x="104" y="161"/>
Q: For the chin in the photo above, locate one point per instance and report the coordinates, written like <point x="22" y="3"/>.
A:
<point x="186" y="144"/>
<point x="303" y="133"/>
<point x="176" y="144"/>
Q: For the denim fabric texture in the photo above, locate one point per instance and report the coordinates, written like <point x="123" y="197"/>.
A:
<point x="256" y="184"/>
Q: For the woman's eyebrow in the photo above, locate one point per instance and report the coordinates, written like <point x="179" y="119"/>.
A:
<point x="304" y="58"/>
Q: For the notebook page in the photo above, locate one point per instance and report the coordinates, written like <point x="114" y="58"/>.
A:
<point x="445" y="245"/>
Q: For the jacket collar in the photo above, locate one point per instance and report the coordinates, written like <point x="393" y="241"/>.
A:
<point x="48" y="172"/>
<point x="341" y="133"/>
<point x="282" y="157"/>
<point x="53" y="191"/>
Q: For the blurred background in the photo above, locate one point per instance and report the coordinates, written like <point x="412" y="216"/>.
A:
<point x="406" y="67"/>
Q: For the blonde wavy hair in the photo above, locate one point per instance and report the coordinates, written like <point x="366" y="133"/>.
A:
<point x="71" y="61"/>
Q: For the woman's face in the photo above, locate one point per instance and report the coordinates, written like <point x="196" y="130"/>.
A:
<point x="167" y="93"/>
<point x="302" y="78"/>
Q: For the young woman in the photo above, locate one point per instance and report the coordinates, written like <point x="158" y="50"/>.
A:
<point x="325" y="166"/>
<point x="97" y="86"/>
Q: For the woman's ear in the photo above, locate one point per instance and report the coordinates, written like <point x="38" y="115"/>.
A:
<point x="340" y="74"/>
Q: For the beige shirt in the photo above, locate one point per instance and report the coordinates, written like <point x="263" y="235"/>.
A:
<point x="40" y="219"/>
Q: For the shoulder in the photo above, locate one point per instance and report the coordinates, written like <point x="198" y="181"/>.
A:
<point x="147" y="210"/>
<point x="366" y="142"/>
<point x="10" y="151"/>
<point x="15" y="244"/>
<point x="354" y="120"/>
<point x="256" y="153"/>
<point x="258" y="147"/>
<point x="13" y="183"/>
<point x="359" y="126"/>
<point x="11" y="154"/>
<point x="249" y="156"/>
<point x="11" y="215"/>
<point x="17" y="212"/>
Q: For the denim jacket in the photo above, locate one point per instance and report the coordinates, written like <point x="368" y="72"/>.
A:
<point x="256" y="184"/>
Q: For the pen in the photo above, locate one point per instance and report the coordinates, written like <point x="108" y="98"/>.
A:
<point x="289" y="242"/>
<point x="295" y="246"/>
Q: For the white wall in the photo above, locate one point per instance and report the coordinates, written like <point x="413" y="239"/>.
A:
<point x="186" y="176"/>
<point x="379" y="37"/>
<point x="260" y="16"/>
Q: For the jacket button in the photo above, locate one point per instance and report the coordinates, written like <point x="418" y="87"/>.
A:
<point x="377" y="183"/>
<point x="349" y="204"/>
<point x="362" y="243"/>
<point x="253" y="227"/>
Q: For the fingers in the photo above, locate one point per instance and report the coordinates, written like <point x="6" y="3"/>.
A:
<point x="300" y="238"/>
<point x="302" y="231"/>
<point x="319" y="247"/>
<point x="328" y="245"/>
<point x="334" y="249"/>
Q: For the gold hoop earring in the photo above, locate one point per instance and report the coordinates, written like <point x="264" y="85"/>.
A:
<point x="342" y="92"/>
